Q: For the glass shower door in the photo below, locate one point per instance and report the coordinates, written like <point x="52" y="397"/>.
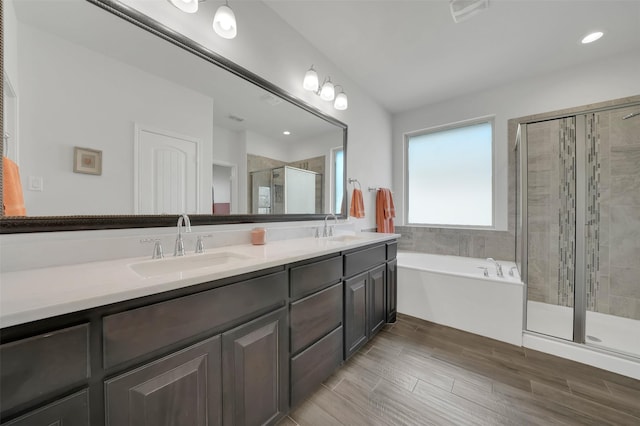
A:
<point x="612" y="243"/>
<point x="550" y="225"/>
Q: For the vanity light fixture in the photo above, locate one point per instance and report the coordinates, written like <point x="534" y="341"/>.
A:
<point x="341" y="102"/>
<point x="187" y="6"/>
<point x="591" y="37"/>
<point x="224" y="22"/>
<point x="326" y="91"/>
<point x="286" y="133"/>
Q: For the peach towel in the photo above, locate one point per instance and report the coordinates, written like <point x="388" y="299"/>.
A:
<point x="357" y="204"/>
<point x="13" y="199"/>
<point x="385" y="210"/>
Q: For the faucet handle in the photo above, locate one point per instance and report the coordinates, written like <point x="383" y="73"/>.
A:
<point x="157" y="247"/>
<point x="331" y="230"/>
<point x="317" y="232"/>
<point x="200" y="242"/>
<point x="486" y="270"/>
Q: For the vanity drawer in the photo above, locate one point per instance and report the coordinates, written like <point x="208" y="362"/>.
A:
<point x="312" y="277"/>
<point x="312" y="366"/>
<point x="130" y="334"/>
<point x="70" y="411"/>
<point x="41" y="365"/>
<point x="363" y="260"/>
<point x="314" y="316"/>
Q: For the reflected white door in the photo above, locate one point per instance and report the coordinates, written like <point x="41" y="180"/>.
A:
<point x="167" y="173"/>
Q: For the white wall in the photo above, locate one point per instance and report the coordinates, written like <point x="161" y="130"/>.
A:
<point x="80" y="104"/>
<point x="616" y="77"/>
<point x="10" y="34"/>
<point x="269" y="47"/>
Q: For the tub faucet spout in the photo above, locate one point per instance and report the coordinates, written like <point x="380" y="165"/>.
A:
<point x="498" y="266"/>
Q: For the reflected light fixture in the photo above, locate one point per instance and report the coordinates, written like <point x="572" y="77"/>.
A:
<point x="590" y="38"/>
<point x="326" y="91"/>
<point x="286" y="133"/>
<point x="187" y="6"/>
<point x="224" y="22"/>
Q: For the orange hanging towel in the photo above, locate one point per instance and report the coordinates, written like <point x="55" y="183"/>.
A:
<point x="12" y="197"/>
<point x="357" y="204"/>
<point x="385" y="210"/>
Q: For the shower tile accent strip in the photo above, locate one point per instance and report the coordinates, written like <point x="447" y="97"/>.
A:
<point x="593" y="212"/>
<point x="566" y="213"/>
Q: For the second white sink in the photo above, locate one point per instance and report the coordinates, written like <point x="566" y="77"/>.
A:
<point x="187" y="263"/>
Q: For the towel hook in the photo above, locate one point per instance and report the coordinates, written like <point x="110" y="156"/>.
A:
<point x="354" y="181"/>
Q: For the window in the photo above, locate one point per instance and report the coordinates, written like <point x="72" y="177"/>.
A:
<point x="338" y="179"/>
<point x="450" y="176"/>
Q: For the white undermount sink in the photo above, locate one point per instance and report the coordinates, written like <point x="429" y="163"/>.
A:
<point x="153" y="268"/>
<point x="346" y="238"/>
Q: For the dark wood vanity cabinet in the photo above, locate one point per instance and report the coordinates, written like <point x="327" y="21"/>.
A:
<point x="370" y="295"/>
<point x="238" y="351"/>
<point x="392" y="290"/>
<point x="212" y="354"/>
<point x="316" y="315"/>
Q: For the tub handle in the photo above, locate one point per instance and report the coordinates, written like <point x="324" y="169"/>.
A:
<point x="486" y="270"/>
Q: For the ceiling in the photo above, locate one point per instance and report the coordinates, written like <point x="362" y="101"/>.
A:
<point x="410" y="53"/>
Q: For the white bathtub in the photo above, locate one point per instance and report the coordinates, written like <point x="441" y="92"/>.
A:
<point x="453" y="291"/>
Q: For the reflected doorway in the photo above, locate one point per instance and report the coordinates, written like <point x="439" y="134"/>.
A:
<point x="222" y="189"/>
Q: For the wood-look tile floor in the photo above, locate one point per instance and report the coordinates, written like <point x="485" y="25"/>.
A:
<point x="419" y="373"/>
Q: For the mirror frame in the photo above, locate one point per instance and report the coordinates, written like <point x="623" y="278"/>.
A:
<point x="12" y="225"/>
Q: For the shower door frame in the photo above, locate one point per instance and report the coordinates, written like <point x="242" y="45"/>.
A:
<point x="580" y="113"/>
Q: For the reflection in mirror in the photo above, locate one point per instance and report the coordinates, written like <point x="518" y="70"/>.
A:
<point x="174" y="132"/>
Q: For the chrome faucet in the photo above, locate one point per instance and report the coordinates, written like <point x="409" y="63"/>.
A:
<point x="498" y="266"/>
<point x="183" y="220"/>
<point x="329" y="233"/>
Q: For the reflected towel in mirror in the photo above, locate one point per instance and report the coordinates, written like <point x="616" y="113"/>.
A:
<point x="13" y="198"/>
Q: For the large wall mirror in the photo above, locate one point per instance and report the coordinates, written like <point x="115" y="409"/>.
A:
<point x="116" y="121"/>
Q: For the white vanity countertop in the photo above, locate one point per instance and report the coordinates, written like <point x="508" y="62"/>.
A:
<point x="35" y="294"/>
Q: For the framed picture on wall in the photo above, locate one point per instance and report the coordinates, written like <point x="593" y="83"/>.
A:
<point x="87" y="161"/>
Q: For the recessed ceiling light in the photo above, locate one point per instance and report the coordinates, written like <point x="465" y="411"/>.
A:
<point x="590" y="38"/>
<point x="286" y="133"/>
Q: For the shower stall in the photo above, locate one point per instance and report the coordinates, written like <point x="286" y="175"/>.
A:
<point x="578" y="232"/>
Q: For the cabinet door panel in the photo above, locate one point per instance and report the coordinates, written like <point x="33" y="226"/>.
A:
<point x="355" y="313"/>
<point x="256" y="371"/>
<point x="70" y="411"/>
<point x="392" y="290"/>
<point x="183" y="388"/>
<point x="377" y="297"/>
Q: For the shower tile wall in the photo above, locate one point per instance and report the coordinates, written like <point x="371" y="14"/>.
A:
<point x="619" y="276"/>
<point x="543" y="156"/>
<point x="612" y="216"/>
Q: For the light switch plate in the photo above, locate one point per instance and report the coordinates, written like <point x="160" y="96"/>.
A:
<point x="36" y="183"/>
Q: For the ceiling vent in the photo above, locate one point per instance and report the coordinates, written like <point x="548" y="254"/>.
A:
<point x="461" y="10"/>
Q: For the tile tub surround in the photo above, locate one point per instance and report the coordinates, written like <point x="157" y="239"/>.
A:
<point x="33" y="294"/>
